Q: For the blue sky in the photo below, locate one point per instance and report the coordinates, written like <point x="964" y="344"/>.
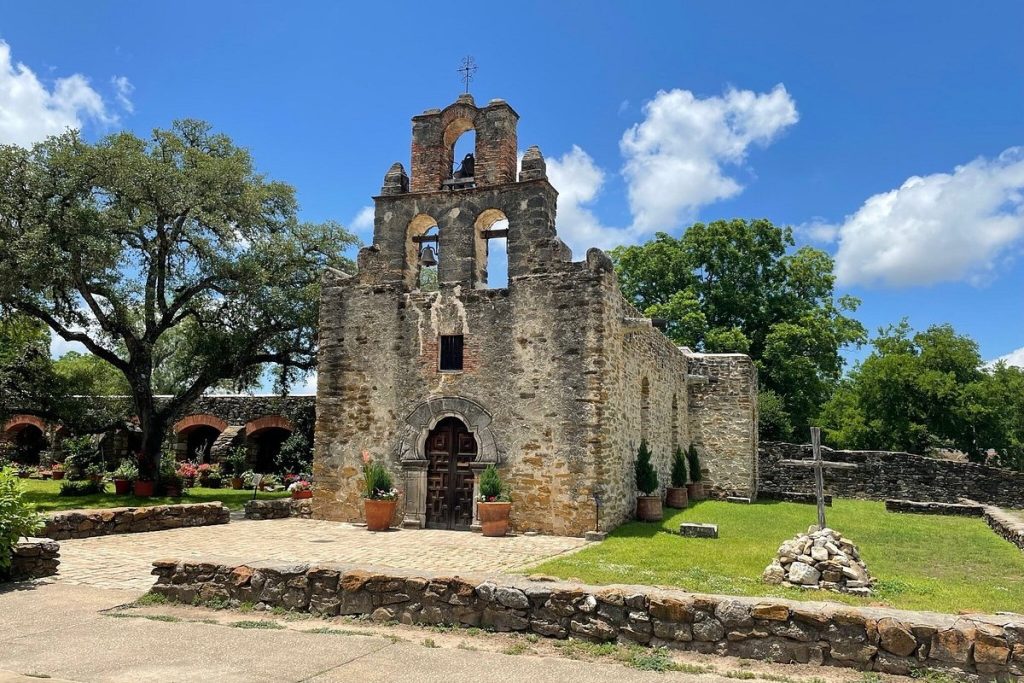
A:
<point x="884" y="132"/>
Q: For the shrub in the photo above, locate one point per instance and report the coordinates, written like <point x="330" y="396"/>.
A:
<point x="170" y="476"/>
<point x="82" y="454"/>
<point x="646" y="477"/>
<point x="235" y="463"/>
<point x="695" y="473"/>
<point x="678" y="469"/>
<point x="17" y="517"/>
<point x="248" y="479"/>
<point x="85" y="487"/>
<point x="213" y="480"/>
<point x="492" y="488"/>
<point x="296" y="454"/>
<point x="377" y="484"/>
<point x="126" y="470"/>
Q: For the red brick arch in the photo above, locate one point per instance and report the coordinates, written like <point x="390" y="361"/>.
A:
<point x="19" y="422"/>
<point x="256" y="426"/>
<point x="201" y="420"/>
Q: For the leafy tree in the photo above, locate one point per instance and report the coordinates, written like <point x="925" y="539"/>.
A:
<point x="773" y="420"/>
<point x="738" y="286"/>
<point x="167" y="252"/>
<point x="646" y="476"/>
<point x="926" y="390"/>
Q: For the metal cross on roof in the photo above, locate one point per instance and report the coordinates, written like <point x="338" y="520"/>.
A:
<point x="468" y="69"/>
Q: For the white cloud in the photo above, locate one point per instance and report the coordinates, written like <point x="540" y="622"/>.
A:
<point x="363" y="220"/>
<point x="578" y="181"/>
<point x="123" y="91"/>
<point x="943" y="227"/>
<point x="29" y="111"/>
<point x="1015" y="357"/>
<point x="676" y="158"/>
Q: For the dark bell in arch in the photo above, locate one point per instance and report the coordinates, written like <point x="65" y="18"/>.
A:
<point x="466" y="168"/>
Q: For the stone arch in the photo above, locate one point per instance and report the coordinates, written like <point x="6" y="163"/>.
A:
<point x="487" y="220"/>
<point x="190" y="422"/>
<point x="427" y="414"/>
<point x="419" y="225"/>
<point x="260" y="424"/>
<point x="19" y="422"/>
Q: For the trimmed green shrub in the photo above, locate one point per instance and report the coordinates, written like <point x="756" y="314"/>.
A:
<point x="691" y="455"/>
<point x="492" y="488"/>
<point x="646" y="476"/>
<point x="85" y="487"/>
<point x="17" y="517"/>
<point x="678" y="469"/>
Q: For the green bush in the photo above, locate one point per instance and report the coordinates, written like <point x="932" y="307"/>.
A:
<point x="695" y="473"/>
<point x="492" y="488"/>
<point x="235" y="463"/>
<point x="295" y="456"/>
<point x="646" y="477"/>
<point x="126" y="470"/>
<point x="85" y="487"/>
<point x="82" y="456"/>
<point x="678" y="469"/>
<point x="377" y="482"/>
<point x="17" y="517"/>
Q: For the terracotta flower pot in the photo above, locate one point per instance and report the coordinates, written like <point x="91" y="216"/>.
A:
<point x="675" y="497"/>
<point x="648" y="508"/>
<point x="122" y="487"/>
<point x="494" y="518"/>
<point x="236" y="483"/>
<point x="144" y="489"/>
<point x="301" y="495"/>
<point x="695" y="490"/>
<point x="379" y="513"/>
<point x="57" y="474"/>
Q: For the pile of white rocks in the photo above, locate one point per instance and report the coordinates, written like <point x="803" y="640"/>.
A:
<point x="822" y="559"/>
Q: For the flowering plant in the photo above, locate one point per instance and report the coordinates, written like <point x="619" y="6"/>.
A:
<point x="187" y="471"/>
<point x="377" y="484"/>
<point x="300" y="485"/>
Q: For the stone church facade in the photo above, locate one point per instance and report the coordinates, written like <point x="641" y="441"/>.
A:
<point x="554" y="378"/>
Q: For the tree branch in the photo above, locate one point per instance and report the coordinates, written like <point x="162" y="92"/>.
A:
<point x="68" y="335"/>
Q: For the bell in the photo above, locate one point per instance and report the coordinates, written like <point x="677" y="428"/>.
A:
<point x="427" y="257"/>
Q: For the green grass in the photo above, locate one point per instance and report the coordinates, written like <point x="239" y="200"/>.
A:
<point x="923" y="562"/>
<point x="253" y="623"/>
<point x="43" y="493"/>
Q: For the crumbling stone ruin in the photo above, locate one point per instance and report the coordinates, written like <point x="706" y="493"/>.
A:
<point x="554" y="377"/>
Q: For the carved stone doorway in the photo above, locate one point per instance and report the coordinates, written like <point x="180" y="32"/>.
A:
<point x="450" y="451"/>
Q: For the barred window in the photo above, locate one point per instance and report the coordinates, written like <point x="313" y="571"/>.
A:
<point x="451" y="352"/>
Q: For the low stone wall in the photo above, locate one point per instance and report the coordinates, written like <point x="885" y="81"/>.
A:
<point x="891" y="641"/>
<point x="932" y="508"/>
<point x="33" y="558"/>
<point x="1010" y="528"/>
<point x="883" y="474"/>
<point x="279" y="509"/>
<point x="130" y="520"/>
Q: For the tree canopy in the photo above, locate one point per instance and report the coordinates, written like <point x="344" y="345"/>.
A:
<point x="170" y="258"/>
<point x="739" y="286"/>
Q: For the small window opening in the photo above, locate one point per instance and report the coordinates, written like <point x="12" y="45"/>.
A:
<point x="451" y="352"/>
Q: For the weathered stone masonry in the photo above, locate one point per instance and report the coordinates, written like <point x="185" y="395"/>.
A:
<point x="560" y="376"/>
<point x="887" y="640"/>
<point x="132" y="520"/>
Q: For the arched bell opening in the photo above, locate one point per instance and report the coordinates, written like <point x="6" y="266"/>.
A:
<point x="460" y="154"/>
<point x="423" y="254"/>
<point x="491" y="256"/>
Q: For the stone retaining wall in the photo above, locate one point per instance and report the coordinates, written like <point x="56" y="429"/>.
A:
<point x="130" y="520"/>
<point x="884" y="474"/>
<point x="932" y="508"/>
<point x="33" y="558"/>
<point x="1010" y="528"/>
<point x="279" y="509"/>
<point x="884" y="640"/>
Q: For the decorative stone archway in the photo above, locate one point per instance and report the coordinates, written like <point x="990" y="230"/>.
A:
<point x="410" y="449"/>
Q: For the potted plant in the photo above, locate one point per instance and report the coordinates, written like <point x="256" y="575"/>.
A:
<point x="648" y="503"/>
<point x="171" y="479"/>
<point x="269" y="482"/>
<point x="675" y="495"/>
<point x="695" y="489"/>
<point x="94" y="473"/>
<point x="495" y="505"/>
<point x="213" y="479"/>
<point x="235" y="465"/>
<point x="187" y="471"/>
<point x="379" y="494"/>
<point x="124" y="475"/>
<point x="57" y="471"/>
<point x="301" y="489"/>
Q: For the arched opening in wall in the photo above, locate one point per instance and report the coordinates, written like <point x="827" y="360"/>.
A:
<point x="449" y="449"/>
<point x="197" y="442"/>
<point x="263" y="439"/>
<point x="460" y="151"/>
<point x="645" y="410"/>
<point x="423" y="253"/>
<point x="26" y="441"/>
<point x="491" y="268"/>
<point x="675" y="423"/>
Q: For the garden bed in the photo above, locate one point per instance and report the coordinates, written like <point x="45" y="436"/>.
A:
<point x="44" y="494"/>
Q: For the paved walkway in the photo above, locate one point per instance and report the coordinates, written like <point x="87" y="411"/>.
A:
<point x="124" y="561"/>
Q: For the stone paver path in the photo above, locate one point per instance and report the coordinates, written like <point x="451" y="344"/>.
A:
<point x="124" y="561"/>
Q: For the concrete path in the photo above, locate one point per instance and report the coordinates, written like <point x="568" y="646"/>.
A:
<point x="64" y="632"/>
<point x="124" y="561"/>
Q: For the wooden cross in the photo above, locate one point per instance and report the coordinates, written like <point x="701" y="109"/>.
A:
<point x="819" y="466"/>
<point x="468" y="69"/>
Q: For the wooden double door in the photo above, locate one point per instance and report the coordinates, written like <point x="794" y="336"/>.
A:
<point x="450" y="450"/>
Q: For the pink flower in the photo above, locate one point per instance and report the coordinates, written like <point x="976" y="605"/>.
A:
<point x="366" y="457"/>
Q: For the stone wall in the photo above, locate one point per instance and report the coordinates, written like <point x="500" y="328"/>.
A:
<point x="883" y="474"/>
<point x="130" y="520"/>
<point x="932" y="508"/>
<point x="1006" y="525"/>
<point x="890" y="641"/>
<point x="32" y="558"/>
<point x="279" y="509"/>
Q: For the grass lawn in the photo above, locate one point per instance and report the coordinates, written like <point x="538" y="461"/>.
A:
<point x="922" y="562"/>
<point x="44" y="494"/>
